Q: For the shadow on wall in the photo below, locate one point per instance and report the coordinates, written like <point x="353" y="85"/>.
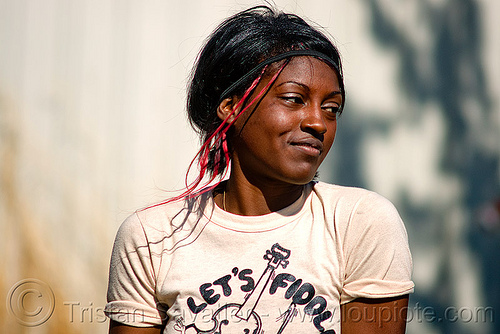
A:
<point x="454" y="82"/>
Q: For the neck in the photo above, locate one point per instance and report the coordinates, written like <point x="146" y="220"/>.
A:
<point x="253" y="198"/>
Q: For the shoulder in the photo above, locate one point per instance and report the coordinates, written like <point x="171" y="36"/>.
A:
<point x="159" y="212"/>
<point x="343" y="191"/>
<point x="168" y="214"/>
<point x="144" y="223"/>
<point x="144" y="232"/>
<point x="358" y="208"/>
<point x="164" y="223"/>
<point x="130" y="230"/>
<point x="351" y="197"/>
<point x="376" y="259"/>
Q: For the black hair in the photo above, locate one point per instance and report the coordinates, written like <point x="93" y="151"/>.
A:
<point x="237" y="46"/>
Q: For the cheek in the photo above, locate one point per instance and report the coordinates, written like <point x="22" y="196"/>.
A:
<point x="333" y="132"/>
<point x="330" y="137"/>
<point x="267" y="122"/>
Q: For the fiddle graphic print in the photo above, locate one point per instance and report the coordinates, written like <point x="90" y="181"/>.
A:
<point x="236" y="318"/>
<point x="247" y="321"/>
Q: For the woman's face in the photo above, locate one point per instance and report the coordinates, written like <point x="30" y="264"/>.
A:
<point x="288" y="134"/>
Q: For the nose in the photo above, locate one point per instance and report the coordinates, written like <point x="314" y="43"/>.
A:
<point x="314" y="122"/>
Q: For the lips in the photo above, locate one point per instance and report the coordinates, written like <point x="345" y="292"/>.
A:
<point x="309" y="145"/>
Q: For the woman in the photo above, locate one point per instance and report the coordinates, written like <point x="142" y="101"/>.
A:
<point x="267" y="250"/>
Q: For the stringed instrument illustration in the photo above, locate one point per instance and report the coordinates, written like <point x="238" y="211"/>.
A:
<point x="241" y="318"/>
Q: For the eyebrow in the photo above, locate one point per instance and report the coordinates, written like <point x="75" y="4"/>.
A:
<point x="332" y="94"/>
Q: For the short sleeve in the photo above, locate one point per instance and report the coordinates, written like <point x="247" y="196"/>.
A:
<point x="131" y="286"/>
<point x="377" y="257"/>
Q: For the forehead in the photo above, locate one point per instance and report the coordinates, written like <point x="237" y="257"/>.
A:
<point x="310" y="71"/>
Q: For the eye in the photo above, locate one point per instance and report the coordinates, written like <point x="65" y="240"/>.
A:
<point x="332" y="109"/>
<point x="292" y="99"/>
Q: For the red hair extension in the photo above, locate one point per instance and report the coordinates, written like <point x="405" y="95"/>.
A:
<point x="218" y="137"/>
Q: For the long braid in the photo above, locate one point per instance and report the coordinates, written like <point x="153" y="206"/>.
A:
<point x="218" y="137"/>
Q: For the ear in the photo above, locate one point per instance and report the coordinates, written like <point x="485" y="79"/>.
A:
<point x="226" y="108"/>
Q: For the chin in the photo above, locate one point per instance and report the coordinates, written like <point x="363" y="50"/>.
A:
<point x="304" y="175"/>
<point x="302" y="179"/>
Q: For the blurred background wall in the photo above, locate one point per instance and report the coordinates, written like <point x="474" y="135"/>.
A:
<point x="92" y="127"/>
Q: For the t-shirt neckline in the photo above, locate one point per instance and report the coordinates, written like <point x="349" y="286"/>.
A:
<point x="260" y="223"/>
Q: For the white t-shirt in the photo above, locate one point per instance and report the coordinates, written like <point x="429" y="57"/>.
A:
<point x="199" y="269"/>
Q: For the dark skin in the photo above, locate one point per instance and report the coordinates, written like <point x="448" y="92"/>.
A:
<point x="383" y="315"/>
<point x="277" y="147"/>
<point x="117" y="328"/>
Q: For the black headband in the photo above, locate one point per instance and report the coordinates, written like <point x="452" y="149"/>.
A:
<point x="293" y="53"/>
